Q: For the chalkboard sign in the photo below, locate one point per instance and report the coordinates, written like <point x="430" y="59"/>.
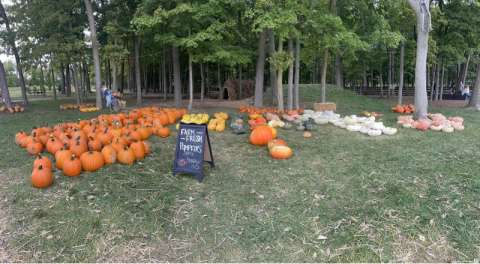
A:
<point x="193" y="148"/>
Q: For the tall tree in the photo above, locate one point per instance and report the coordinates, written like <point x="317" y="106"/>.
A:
<point x="95" y="51"/>
<point x="11" y="37"/>
<point x="260" y="69"/>
<point x="422" y="12"/>
<point x="4" y="87"/>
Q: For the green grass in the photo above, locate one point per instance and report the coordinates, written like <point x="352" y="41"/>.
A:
<point x="343" y="197"/>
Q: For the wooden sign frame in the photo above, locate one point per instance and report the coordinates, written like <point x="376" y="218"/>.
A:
<point x="206" y="153"/>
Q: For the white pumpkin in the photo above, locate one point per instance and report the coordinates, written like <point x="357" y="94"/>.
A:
<point x="354" y="128"/>
<point x="321" y="121"/>
<point x="436" y="128"/>
<point x="377" y="126"/>
<point x="448" y="129"/>
<point x="364" y="130"/>
<point x="374" y="132"/>
<point x="407" y="125"/>
<point x="389" y="131"/>
<point x="349" y="120"/>
<point x="459" y="128"/>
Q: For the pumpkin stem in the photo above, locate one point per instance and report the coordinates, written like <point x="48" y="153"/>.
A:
<point x="40" y="167"/>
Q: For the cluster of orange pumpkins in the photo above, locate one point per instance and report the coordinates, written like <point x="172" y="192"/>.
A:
<point x="88" y="145"/>
<point x="265" y="135"/>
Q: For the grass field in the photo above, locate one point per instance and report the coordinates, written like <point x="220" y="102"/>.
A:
<point x="342" y="197"/>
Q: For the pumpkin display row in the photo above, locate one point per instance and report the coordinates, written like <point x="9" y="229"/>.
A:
<point x="88" y="145"/>
<point x="434" y="122"/>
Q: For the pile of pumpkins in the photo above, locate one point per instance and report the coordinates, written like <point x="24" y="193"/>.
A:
<point x="265" y="135"/>
<point x="404" y="109"/>
<point x="14" y="109"/>
<point x="88" y="145"/>
<point x="365" y="125"/>
<point x="218" y="122"/>
<point x="435" y="122"/>
<point x="76" y="106"/>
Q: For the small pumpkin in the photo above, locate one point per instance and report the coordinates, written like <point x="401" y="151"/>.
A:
<point x="34" y="148"/>
<point x="42" y="177"/>
<point x="163" y="132"/>
<point x="94" y="144"/>
<point x="72" y="166"/>
<point x="61" y="156"/>
<point x="138" y="149"/>
<point x="307" y="134"/>
<point x="92" y="161"/>
<point x="42" y="161"/>
<point x="126" y="156"/>
<point x="281" y="152"/>
<point x="276" y="142"/>
<point x="147" y="147"/>
<point x="79" y="147"/>
<point x="109" y="154"/>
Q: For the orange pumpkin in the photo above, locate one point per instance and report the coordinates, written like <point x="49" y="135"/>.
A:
<point x="42" y="161"/>
<point x="20" y="137"/>
<point x="61" y="156"/>
<point x="34" y="148"/>
<point x="53" y="145"/>
<point x="109" y="154"/>
<point x="163" y="132"/>
<point x="276" y="142"/>
<point x="78" y="147"/>
<point x="145" y="132"/>
<point x="261" y="135"/>
<point x="42" y="177"/>
<point x="147" y="147"/>
<point x="138" y="149"/>
<point x="92" y="161"/>
<point x="281" y="152"/>
<point x="72" y="166"/>
<point x="126" y="156"/>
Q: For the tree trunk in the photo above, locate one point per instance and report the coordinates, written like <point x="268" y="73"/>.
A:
<point x="190" y="82"/>
<point x="68" y="80"/>
<point x="219" y="83"/>
<point x="108" y="75"/>
<point x="177" y="81"/>
<point x="437" y="82"/>
<point x="297" y="73"/>
<point x="4" y="87"/>
<point x="280" y="80"/>
<point x="75" y="84"/>
<point x="64" y="81"/>
<point x="432" y="86"/>
<point x="260" y="71"/>
<point x="53" y="82"/>
<point x="390" y="73"/>
<point x="95" y="51"/>
<point x="13" y="46"/>
<point x="273" y="74"/>
<point x="465" y="73"/>
<point x="202" y="83"/>
<point x="442" y="82"/>
<point x="164" y="75"/>
<point x="240" y="82"/>
<point x="402" y="73"/>
<point x="290" y="76"/>
<point x="87" y="77"/>
<point x="475" y="100"/>
<point x="324" y="76"/>
<point x="122" y="76"/>
<point x="339" y="72"/>
<point x="137" y="70"/>
<point x="114" y="76"/>
<point x="422" y="12"/>
<point x="42" y="81"/>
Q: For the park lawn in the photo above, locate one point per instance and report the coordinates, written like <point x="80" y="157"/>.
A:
<point x="342" y="197"/>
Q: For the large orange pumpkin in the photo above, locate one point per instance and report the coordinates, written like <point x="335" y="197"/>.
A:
<point x="126" y="156"/>
<point x="109" y="154"/>
<point x="261" y="135"/>
<point x="42" y="161"/>
<point x="92" y="161"/>
<point x="281" y="152"/>
<point x="163" y="132"/>
<point x="138" y="149"/>
<point x="72" y="166"/>
<point x="42" y="177"/>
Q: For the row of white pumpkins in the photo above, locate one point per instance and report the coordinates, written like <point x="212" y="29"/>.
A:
<point x="365" y="125"/>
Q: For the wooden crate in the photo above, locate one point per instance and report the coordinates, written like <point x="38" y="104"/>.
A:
<point x="320" y="107"/>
